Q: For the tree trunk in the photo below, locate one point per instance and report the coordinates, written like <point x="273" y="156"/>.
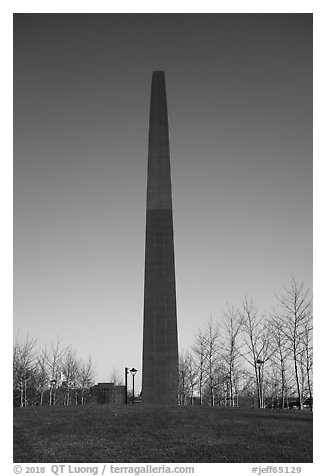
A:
<point x="297" y="380"/>
<point x="21" y="393"/>
<point x="258" y="387"/>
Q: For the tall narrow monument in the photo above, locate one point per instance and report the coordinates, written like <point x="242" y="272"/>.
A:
<point x="160" y="340"/>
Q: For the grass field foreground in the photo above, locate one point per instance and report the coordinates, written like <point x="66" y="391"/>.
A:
<point x="105" y="433"/>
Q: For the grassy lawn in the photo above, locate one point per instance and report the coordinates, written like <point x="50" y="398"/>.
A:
<point x="104" y="433"/>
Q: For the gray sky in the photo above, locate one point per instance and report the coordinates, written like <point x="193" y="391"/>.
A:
<point x="239" y="90"/>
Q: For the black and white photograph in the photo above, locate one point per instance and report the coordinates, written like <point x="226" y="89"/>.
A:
<point x="163" y="240"/>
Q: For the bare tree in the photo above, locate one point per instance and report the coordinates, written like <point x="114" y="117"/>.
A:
<point x="199" y="349"/>
<point x="69" y="370"/>
<point x="182" y="383"/>
<point x="280" y="356"/>
<point x="38" y="372"/>
<point x="257" y="343"/>
<point x="86" y="378"/>
<point x="192" y="375"/>
<point x="231" y="352"/>
<point x="221" y="383"/>
<point x="23" y="365"/>
<point x="187" y="378"/>
<point x="294" y="317"/>
<point x="306" y="359"/>
<point x="211" y="336"/>
<point x="54" y="365"/>
<point x="309" y="359"/>
<point x="42" y="373"/>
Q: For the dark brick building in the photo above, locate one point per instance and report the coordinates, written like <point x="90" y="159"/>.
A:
<point x="107" y="392"/>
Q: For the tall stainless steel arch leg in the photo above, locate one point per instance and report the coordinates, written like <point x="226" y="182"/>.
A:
<point x="160" y="340"/>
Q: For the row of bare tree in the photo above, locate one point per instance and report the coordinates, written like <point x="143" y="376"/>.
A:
<point x="265" y="357"/>
<point x="39" y="376"/>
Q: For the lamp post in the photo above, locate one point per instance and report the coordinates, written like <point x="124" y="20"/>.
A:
<point x="126" y="385"/>
<point x="259" y="364"/>
<point x="133" y="372"/>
